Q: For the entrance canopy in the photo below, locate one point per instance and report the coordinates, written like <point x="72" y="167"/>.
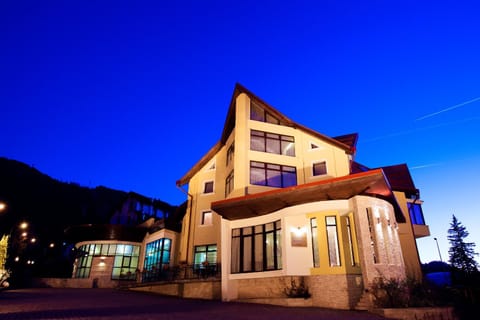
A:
<point x="371" y="183"/>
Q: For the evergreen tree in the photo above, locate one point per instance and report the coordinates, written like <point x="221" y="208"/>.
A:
<point x="461" y="253"/>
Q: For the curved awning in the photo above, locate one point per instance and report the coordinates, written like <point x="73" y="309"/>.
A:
<point x="370" y="183"/>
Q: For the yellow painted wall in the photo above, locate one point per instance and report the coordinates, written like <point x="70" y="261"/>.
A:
<point x="407" y="241"/>
<point x="196" y="234"/>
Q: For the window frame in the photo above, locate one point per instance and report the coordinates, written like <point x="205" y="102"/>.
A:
<point x="229" y="183"/>
<point x="251" y="250"/>
<point x="204" y="219"/>
<point x="319" y="162"/>
<point x="271" y="167"/>
<point x="205" y="184"/>
<point x="265" y="137"/>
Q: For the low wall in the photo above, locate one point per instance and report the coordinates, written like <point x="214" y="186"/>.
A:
<point x="79" y="283"/>
<point x="343" y="291"/>
<point x="210" y="290"/>
<point x="430" y="313"/>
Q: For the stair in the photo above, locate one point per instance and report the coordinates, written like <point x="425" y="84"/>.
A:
<point x="365" y="303"/>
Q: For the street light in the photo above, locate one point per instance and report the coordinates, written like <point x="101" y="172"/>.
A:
<point x="3" y="206"/>
<point x="438" y="248"/>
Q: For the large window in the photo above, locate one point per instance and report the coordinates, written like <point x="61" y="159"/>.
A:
<point x="272" y="175"/>
<point x="257" y="248"/>
<point x="157" y="258"/>
<point x="126" y="262"/>
<point x="272" y="143"/>
<point x="125" y="259"/>
<point x="257" y="113"/>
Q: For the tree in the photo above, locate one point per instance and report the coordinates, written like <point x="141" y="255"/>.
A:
<point x="461" y="253"/>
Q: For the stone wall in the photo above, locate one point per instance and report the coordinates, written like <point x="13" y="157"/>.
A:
<point x="335" y="291"/>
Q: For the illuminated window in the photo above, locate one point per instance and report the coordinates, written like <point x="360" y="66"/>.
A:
<point x="316" y="253"/>
<point x="256" y="248"/>
<point x="208" y="187"/>
<point x="205" y="253"/>
<point x="157" y="259"/>
<point x="272" y="175"/>
<point x="319" y="168"/>
<point x="350" y="240"/>
<point x="332" y="240"/>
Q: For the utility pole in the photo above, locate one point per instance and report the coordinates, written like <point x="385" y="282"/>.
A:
<point x="438" y="248"/>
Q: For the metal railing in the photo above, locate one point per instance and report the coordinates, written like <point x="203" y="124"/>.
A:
<point x="182" y="272"/>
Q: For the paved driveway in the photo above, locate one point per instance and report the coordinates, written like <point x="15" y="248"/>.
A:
<point x="115" y="304"/>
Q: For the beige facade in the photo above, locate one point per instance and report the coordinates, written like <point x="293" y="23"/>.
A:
<point x="278" y="201"/>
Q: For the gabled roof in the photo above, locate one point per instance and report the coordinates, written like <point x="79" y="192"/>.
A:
<point x="346" y="142"/>
<point x="370" y="183"/>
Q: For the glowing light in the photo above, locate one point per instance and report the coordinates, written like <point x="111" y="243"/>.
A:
<point x="33" y="240"/>
<point x="23" y="225"/>
<point x="2" y="206"/>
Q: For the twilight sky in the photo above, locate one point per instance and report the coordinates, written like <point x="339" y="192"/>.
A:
<point x="130" y="94"/>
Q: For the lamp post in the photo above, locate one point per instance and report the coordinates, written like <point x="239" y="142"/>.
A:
<point x="438" y="248"/>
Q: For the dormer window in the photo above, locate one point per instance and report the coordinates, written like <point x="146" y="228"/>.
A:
<point x="257" y="113"/>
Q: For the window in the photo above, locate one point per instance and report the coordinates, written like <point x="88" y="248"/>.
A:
<point x="272" y="175"/>
<point x="206" y="217"/>
<point x="319" y="168"/>
<point x="416" y="214"/>
<point x="350" y="240"/>
<point x="230" y="153"/>
<point x="256" y="248"/>
<point x="257" y="113"/>
<point x="229" y="184"/>
<point x="212" y="166"/>
<point x="332" y="240"/>
<point x="208" y="187"/>
<point x="205" y="253"/>
<point x="157" y="258"/>
<point x="125" y="259"/>
<point x="272" y="143"/>
<point x="316" y="253"/>
<point x="373" y="237"/>
<point x="125" y="262"/>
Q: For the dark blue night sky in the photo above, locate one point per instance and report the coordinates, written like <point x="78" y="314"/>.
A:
<point x="130" y="94"/>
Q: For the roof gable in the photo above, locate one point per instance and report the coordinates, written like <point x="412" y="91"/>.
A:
<point x="346" y="142"/>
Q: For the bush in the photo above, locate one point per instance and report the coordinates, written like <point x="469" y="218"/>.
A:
<point x="300" y="291"/>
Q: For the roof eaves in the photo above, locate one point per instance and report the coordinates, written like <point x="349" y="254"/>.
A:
<point x="203" y="161"/>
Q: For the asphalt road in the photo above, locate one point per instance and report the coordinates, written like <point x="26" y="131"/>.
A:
<point x="48" y="303"/>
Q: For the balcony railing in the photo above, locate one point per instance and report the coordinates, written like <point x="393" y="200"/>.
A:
<point x="182" y="272"/>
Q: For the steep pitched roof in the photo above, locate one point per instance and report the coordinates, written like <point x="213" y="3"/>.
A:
<point x="346" y="142"/>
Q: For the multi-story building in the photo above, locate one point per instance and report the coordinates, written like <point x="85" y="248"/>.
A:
<point x="274" y="201"/>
